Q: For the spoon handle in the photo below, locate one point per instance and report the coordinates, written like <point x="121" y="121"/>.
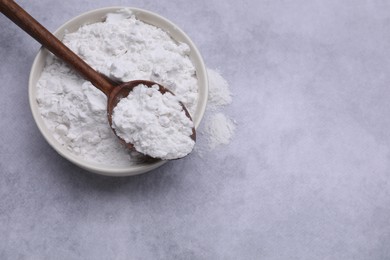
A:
<point x="25" y="21"/>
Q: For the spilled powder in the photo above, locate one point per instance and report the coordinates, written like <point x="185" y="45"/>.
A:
<point x="218" y="128"/>
<point x="219" y="92"/>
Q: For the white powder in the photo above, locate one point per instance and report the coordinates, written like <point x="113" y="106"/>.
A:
<point x="154" y="123"/>
<point x="123" y="48"/>
<point x="219" y="129"/>
<point x="219" y="92"/>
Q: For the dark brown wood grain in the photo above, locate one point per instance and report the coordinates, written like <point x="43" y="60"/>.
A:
<point x="25" y="21"/>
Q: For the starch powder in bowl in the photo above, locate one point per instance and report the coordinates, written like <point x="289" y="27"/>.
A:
<point x="124" y="47"/>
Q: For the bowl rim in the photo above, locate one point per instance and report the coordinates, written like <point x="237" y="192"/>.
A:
<point x="90" y="15"/>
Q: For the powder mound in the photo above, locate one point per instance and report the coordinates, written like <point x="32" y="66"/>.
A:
<point x="155" y="123"/>
<point x="219" y="92"/>
<point x="220" y="130"/>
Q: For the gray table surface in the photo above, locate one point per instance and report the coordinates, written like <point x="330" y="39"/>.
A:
<point x="307" y="175"/>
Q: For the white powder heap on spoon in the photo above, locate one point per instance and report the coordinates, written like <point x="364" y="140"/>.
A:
<point x="155" y="123"/>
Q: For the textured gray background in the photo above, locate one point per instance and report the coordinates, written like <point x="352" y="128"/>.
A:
<point x="307" y="175"/>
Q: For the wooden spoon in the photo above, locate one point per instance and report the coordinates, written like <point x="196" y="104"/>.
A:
<point x="111" y="89"/>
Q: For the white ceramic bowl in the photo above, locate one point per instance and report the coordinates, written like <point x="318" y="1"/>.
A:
<point x="98" y="15"/>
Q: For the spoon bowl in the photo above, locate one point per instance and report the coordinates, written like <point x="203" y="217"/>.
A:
<point x="123" y="90"/>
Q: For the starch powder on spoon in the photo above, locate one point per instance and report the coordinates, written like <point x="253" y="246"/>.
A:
<point x="155" y="123"/>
